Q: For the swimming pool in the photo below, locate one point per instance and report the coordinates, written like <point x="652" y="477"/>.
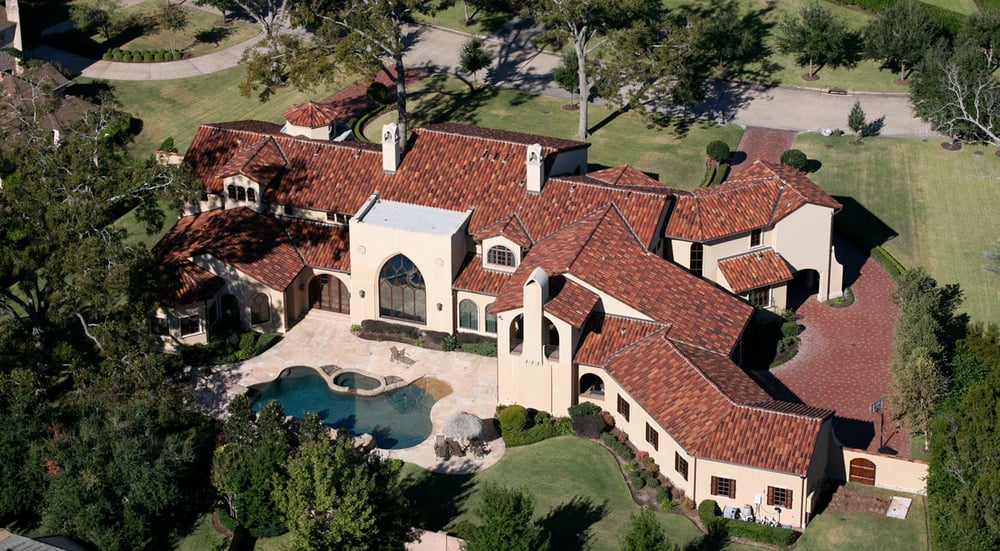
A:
<point x="351" y="379"/>
<point x="397" y="418"/>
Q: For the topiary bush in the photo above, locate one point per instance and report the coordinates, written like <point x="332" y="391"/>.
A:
<point x="107" y="56"/>
<point x="157" y="56"/>
<point x="583" y="408"/>
<point x="147" y="57"/>
<point x="794" y="158"/>
<point x="512" y="419"/>
<point x="718" y="151"/>
<point x="535" y="434"/>
<point x="708" y="510"/>
<point x="175" y="55"/>
<point x="790" y="329"/>
<point x="589" y="426"/>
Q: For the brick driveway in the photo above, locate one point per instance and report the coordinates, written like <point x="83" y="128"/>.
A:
<point x="843" y="360"/>
<point x="761" y="144"/>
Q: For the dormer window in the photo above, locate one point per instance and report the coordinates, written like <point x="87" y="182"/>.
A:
<point x="756" y="238"/>
<point x="251" y="195"/>
<point x="499" y="255"/>
<point x="232" y="192"/>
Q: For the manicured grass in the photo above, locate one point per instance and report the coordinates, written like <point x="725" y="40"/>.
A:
<point x="137" y="230"/>
<point x="857" y="531"/>
<point x="577" y="487"/>
<point x="483" y="23"/>
<point x="176" y="107"/>
<point x="205" y="537"/>
<point x="936" y="208"/>
<point x="961" y="6"/>
<point x="675" y="155"/>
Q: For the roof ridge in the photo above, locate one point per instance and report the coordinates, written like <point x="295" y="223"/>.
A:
<point x="700" y="371"/>
<point x="750" y="252"/>
<point x="759" y="405"/>
<point x="664" y="330"/>
<point x="517" y="218"/>
<point x="628" y="227"/>
<point x="590" y="234"/>
<point x="594" y="182"/>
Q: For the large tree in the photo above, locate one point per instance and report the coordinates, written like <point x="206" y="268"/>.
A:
<point x="899" y="35"/>
<point x="341" y="497"/>
<point x="71" y="282"/>
<point x="507" y="523"/>
<point x="982" y="33"/>
<point x="918" y="387"/>
<point x="589" y="24"/>
<point x="361" y="36"/>
<point x="102" y="15"/>
<point x="645" y="533"/>
<point x="269" y="15"/>
<point x="731" y="38"/>
<point x="815" y="36"/>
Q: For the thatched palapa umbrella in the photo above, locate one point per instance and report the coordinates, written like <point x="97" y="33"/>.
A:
<point x="462" y="426"/>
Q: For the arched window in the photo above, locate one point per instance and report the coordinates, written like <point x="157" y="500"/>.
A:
<point x="260" y="309"/>
<point x="468" y="315"/>
<point x="402" y="293"/>
<point x="500" y="256"/>
<point x="241" y="194"/>
<point x="491" y="322"/>
<point x="232" y="192"/>
<point x="697" y="256"/>
<point x="251" y="195"/>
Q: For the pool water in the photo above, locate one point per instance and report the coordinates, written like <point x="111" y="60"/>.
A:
<point x="397" y="419"/>
<point x="351" y="379"/>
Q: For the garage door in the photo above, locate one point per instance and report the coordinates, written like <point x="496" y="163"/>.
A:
<point x="862" y="471"/>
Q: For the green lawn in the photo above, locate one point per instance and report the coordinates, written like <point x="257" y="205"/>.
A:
<point x="176" y="107"/>
<point x="577" y="485"/>
<point x="937" y="208"/>
<point x="676" y="156"/>
<point x="857" y="531"/>
<point x="205" y="537"/>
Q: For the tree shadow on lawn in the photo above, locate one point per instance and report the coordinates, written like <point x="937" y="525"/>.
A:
<point x="568" y="524"/>
<point x="448" y="105"/>
<point x="437" y="498"/>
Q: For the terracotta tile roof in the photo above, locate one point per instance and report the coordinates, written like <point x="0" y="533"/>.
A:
<point x="762" y="194"/>
<point x="448" y="166"/>
<point x="550" y="144"/>
<point x="699" y="402"/>
<point x="311" y="114"/>
<point x="626" y="176"/>
<point x="474" y="278"/>
<point x="510" y="227"/>
<point x="570" y="301"/>
<point x="605" y="335"/>
<point x="352" y="100"/>
<point x="600" y="250"/>
<point x="187" y="283"/>
<point x="262" y="249"/>
<point x="321" y="245"/>
<point x="755" y="269"/>
<point x="260" y="160"/>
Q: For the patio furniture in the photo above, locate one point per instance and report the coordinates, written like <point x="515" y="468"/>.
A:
<point x="406" y="360"/>
<point x="478" y="447"/>
<point x="395" y="354"/>
<point x="441" y="447"/>
<point x="454" y="448"/>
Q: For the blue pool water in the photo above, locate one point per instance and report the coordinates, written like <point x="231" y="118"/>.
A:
<point x="351" y="379"/>
<point x="397" y="419"/>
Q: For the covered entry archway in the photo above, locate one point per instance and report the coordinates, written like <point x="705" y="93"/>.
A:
<point x="862" y="471"/>
<point x="327" y="292"/>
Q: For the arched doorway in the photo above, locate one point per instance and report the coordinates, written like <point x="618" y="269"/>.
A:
<point x="804" y="284"/>
<point x="516" y="333"/>
<point x="862" y="471"/>
<point x="550" y="339"/>
<point x="229" y="318"/>
<point x="327" y="292"/>
<point x="402" y="291"/>
<point x="592" y="386"/>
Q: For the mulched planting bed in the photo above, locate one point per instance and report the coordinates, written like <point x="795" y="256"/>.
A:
<point x="847" y="498"/>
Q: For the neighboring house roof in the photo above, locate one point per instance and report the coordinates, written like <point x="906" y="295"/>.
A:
<point x="755" y="269"/>
<point x="311" y="114"/>
<point x="254" y="244"/>
<point x="32" y="97"/>
<point x="763" y="194"/>
<point x="713" y="409"/>
<point x="14" y="542"/>
<point x="321" y="245"/>
<point x="601" y="250"/>
<point x="448" y="166"/>
<point x="474" y="278"/>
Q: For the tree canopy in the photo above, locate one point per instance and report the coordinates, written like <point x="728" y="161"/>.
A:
<point x="815" y="35"/>
<point x="899" y="35"/>
<point x="506" y="516"/>
<point x="645" y="533"/>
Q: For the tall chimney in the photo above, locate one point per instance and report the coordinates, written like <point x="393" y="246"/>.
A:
<point x="391" y="152"/>
<point x="14" y="16"/>
<point x="535" y="177"/>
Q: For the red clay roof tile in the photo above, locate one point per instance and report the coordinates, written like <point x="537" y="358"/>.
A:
<point x="571" y="301"/>
<point x="476" y="279"/>
<point x="605" y="334"/>
<point x="321" y="245"/>
<point x="510" y="227"/>
<point x="755" y="269"/>
<point x="311" y="114"/>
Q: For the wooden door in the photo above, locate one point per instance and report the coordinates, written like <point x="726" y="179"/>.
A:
<point x="862" y="471"/>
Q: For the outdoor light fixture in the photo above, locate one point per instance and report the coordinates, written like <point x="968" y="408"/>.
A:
<point x="439" y="306"/>
<point x="361" y="293"/>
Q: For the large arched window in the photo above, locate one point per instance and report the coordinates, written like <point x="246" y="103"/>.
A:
<point x="499" y="255"/>
<point x="468" y="315"/>
<point x="402" y="293"/>
<point x="697" y="258"/>
<point x="260" y="309"/>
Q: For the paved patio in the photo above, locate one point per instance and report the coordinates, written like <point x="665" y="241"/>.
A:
<point x="323" y="338"/>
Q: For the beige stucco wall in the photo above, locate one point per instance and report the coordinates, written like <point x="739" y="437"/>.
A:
<point x="246" y="183"/>
<point x="893" y="473"/>
<point x="438" y="257"/>
<point x="804" y="239"/>
<point x="174" y="315"/>
<point x="321" y="133"/>
<point x="752" y="483"/>
<point x="244" y="287"/>
<point x="482" y="301"/>
<point x="488" y="244"/>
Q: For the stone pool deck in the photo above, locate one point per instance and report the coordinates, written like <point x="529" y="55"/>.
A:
<point x="323" y="338"/>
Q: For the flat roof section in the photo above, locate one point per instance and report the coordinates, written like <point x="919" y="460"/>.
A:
<point x="415" y="218"/>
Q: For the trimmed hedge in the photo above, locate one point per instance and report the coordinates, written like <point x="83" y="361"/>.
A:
<point x="481" y="348"/>
<point x="887" y="261"/>
<point x="760" y="532"/>
<point x="790" y="329"/>
<point x="616" y="446"/>
<point x="582" y="409"/>
<point x="512" y="419"/>
<point x="533" y="435"/>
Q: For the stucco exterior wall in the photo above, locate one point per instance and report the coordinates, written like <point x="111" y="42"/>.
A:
<point x="438" y="257"/>
<point x="724" y="248"/>
<point x="245" y="287"/>
<point x="804" y="239"/>
<point x="482" y="301"/>
<point x="246" y="183"/>
<point x="892" y="473"/>
<point x="173" y="316"/>
<point x="751" y="485"/>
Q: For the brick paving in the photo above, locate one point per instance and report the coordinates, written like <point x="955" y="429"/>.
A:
<point x="844" y="356"/>
<point x="765" y="144"/>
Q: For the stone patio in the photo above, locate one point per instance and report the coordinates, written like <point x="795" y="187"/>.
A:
<point x="324" y="338"/>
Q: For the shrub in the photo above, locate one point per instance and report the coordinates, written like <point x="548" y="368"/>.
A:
<point x="887" y="261"/>
<point x="267" y="340"/>
<point x="785" y="343"/>
<point x="247" y="340"/>
<point x="790" y="329"/>
<point x="175" y="55"/>
<point x="535" y="434"/>
<point x="720" y="174"/>
<point x="650" y="465"/>
<point x="482" y="348"/>
<point x="583" y="408"/>
<point x="512" y="419"/>
<point x="637" y="481"/>
<point x="379" y="330"/>
<point x="168" y="145"/>
<point x="708" y="510"/>
<point x="117" y="56"/>
<point x="589" y="426"/>
<point x="542" y="417"/>
<point x="106" y="56"/>
<point x="147" y="57"/>
<point x="794" y="158"/>
<point x="759" y="532"/>
<point x="449" y="343"/>
<point x="663" y="494"/>
<point x="564" y="425"/>
<point x="718" y="151"/>
<point x="157" y="56"/>
<point x="609" y="419"/>
<point x="617" y="446"/>
<point x="377" y="93"/>
<point x="650" y="479"/>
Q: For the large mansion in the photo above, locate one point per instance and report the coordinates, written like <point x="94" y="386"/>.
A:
<point x="602" y="286"/>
